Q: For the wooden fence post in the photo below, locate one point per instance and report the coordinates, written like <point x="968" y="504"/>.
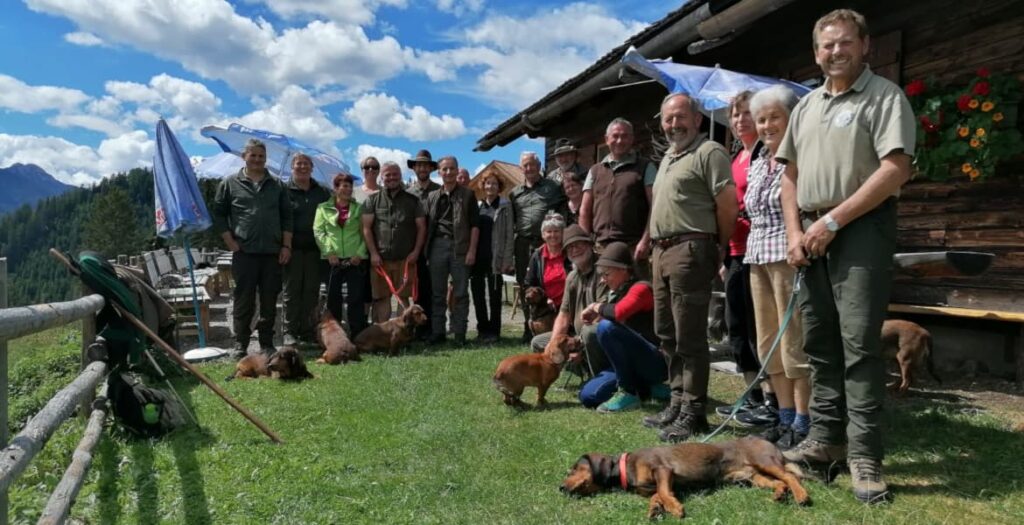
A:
<point x="3" y="384"/>
<point x="88" y="337"/>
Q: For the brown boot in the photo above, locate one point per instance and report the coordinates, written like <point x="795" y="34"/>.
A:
<point x="666" y="416"/>
<point x="812" y="451"/>
<point x="868" y="485"/>
<point x="684" y="427"/>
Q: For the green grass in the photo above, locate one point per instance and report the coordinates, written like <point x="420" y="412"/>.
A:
<point x="425" y="439"/>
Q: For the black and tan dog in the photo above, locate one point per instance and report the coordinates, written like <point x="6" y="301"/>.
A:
<point x="285" y="364"/>
<point x="911" y="346"/>
<point x="542" y="315"/>
<point x="657" y="472"/>
<point x="393" y="334"/>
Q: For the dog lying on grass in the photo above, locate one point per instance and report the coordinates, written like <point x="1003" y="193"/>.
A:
<point x="657" y="472"/>
<point x="539" y="370"/>
<point x="393" y="334"/>
<point x="542" y="315"/>
<point x="285" y="364"/>
<point x="911" y="346"/>
<point x="338" y="349"/>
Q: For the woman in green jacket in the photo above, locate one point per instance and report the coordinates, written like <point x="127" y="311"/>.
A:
<point x="339" y="235"/>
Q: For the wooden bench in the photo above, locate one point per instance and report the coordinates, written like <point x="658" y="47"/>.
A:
<point x="180" y="300"/>
<point x="968" y="313"/>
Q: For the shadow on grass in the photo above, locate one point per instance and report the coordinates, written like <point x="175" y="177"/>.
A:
<point x="184" y="445"/>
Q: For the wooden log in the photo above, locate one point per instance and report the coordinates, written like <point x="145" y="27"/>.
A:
<point x="63" y="497"/>
<point x="24" y="320"/>
<point x="17" y="455"/>
<point x="1008" y="218"/>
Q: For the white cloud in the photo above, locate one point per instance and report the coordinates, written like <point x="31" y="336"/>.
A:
<point x="93" y="122"/>
<point x="385" y="115"/>
<point x="83" y="38"/>
<point x="345" y="11"/>
<point x="459" y="7"/>
<point x="23" y="98"/>
<point x="397" y="156"/>
<point x="74" y="163"/>
<point x="296" y="113"/>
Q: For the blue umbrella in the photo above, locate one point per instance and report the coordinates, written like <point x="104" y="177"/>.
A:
<point x="280" y="150"/>
<point x="180" y="208"/>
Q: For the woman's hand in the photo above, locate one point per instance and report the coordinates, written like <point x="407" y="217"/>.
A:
<point x="355" y="260"/>
<point x="795" y="254"/>
<point x="332" y="260"/>
<point x="590" y="314"/>
<point x="375" y="260"/>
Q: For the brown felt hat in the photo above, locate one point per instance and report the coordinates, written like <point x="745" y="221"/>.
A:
<point x="564" y="145"/>
<point x="421" y="156"/>
<point x="616" y="255"/>
<point x="574" y="233"/>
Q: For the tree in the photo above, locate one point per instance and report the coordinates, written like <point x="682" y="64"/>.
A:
<point x="112" y="226"/>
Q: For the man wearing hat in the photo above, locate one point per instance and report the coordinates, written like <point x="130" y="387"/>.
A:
<point x="423" y="165"/>
<point x="566" y="161"/>
<point x="625" y="331"/>
<point x="582" y="287"/>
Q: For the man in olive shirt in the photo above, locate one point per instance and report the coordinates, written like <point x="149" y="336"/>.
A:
<point x="531" y="202"/>
<point x="253" y="214"/>
<point x="389" y="219"/>
<point x="423" y="165"/>
<point x="847" y="151"/>
<point x="693" y="214"/>
<point x="305" y="269"/>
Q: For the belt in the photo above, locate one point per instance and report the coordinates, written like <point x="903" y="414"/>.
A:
<point x="443" y="236"/>
<point x="669" y="242"/>
<point x="815" y="214"/>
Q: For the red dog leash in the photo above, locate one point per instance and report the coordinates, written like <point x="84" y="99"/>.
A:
<point x="622" y="470"/>
<point x="405" y="282"/>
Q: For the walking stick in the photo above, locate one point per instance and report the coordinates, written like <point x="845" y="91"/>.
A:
<point x="177" y="357"/>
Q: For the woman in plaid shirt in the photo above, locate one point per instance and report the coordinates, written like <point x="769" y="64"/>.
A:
<point x="771" y="277"/>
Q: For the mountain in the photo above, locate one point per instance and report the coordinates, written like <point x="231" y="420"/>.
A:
<point x="27" y="184"/>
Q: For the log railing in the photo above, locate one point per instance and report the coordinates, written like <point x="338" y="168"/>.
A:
<point x="16" y="455"/>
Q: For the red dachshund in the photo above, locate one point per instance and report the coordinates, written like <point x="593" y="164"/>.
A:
<point x="539" y="370"/>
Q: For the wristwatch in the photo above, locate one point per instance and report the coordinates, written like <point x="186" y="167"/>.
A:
<point x="830" y="223"/>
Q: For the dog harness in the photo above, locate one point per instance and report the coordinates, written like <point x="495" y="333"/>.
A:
<point x="622" y="470"/>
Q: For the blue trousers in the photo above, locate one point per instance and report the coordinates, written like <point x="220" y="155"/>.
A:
<point x="636" y="362"/>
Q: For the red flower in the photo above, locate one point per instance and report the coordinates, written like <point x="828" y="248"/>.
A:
<point x="915" y="88"/>
<point x="981" y="88"/>
<point x="983" y="72"/>
<point x="963" y="103"/>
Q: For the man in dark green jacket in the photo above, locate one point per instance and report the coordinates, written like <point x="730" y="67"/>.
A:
<point x="252" y="213"/>
<point x="305" y="270"/>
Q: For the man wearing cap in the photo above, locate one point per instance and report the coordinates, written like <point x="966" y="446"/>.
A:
<point x="565" y="161"/>
<point x="582" y="288"/>
<point x="423" y="165"/>
<point x="305" y="270"/>
<point x="617" y="195"/>
<point x="693" y="214"/>
<point x="625" y="331"/>
<point x="390" y="217"/>
<point x="452" y="238"/>
<point x="531" y="201"/>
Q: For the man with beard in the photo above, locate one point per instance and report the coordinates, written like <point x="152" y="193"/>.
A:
<point x="423" y="165"/>
<point x="693" y="214"/>
<point x="847" y="151"/>
<point x="566" y="162"/>
<point x="305" y="269"/>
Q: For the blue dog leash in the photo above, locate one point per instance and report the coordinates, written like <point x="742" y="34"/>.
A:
<point x="790" y="309"/>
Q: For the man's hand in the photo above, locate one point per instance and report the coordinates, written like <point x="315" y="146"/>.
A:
<point x="721" y="272"/>
<point x="508" y="270"/>
<point x="575" y="357"/>
<point x="816" y="239"/>
<point x="643" y="249"/>
<point x="411" y="259"/>
<point x="284" y="255"/>
<point x="470" y="258"/>
<point x="232" y="245"/>
<point x="355" y="260"/>
<point x="590" y="314"/>
<point x="332" y="260"/>
<point x="795" y="254"/>
<point x="375" y="260"/>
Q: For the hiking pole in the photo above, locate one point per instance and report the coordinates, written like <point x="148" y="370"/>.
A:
<point x="176" y="357"/>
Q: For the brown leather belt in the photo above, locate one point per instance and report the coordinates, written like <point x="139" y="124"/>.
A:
<point x="814" y="215"/>
<point x="669" y="242"/>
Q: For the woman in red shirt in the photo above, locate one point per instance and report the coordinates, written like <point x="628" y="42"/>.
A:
<point x="549" y="265"/>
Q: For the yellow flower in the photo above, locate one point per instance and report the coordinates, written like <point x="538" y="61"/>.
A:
<point x="966" y="168"/>
<point x="963" y="131"/>
<point x="975" y="174"/>
<point x="973" y="104"/>
<point x="975" y="143"/>
<point x="987" y="106"/>
<point x="980" y="132"/>
<point x="997" y="117"/>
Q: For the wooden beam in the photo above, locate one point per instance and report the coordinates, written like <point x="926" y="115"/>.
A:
<point x="988" y="315"/>
<point x="25" y="320"/>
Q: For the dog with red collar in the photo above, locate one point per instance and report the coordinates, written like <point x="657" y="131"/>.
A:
<point x="659" y="471"/>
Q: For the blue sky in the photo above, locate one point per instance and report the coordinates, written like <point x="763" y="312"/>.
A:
<point x="82" y="82"/>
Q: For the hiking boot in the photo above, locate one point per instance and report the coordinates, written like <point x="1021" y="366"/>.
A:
<point x="239" y="351"/>
<point x="775" y="433"/>
<point x="761" y="416"/>
<point x="290" y="340"/>
<point x="620" y="402"/>
<point x="790" y="439"/>
<point x="666" y="416"/>
<point x="661" y="392"/>
<point x="459" y="340"/>
<point x="436" y="339"/>
<point x="684" y="427"/>
<point x="747" y="406"/>
<point x="814" y="451"/>
<point x="868" y="485"/>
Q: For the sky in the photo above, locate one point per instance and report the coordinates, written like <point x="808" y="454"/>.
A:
<point x="83" y="82"/>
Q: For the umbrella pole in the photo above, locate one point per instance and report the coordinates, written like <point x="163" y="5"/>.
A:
<point x="712" y="124"/>
<point x="177" y="357"/>
<point x="195" y="299"/>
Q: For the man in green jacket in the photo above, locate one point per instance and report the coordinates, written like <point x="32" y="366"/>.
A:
<point x="252" y="213"/>
<point x="305" y="270"/>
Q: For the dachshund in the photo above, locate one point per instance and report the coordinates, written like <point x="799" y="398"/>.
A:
<point x="393" y="334"/>
<point x="338" y="349"/>
<point x="911" y="346"/>
<point x="542" y="314"/>
<point x="657" y="472"/>
<point x="540" y="370"/>
<point x="285" y="364"/>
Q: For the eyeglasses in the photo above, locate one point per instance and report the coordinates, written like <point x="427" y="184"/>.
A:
<point x="371" y="167"/>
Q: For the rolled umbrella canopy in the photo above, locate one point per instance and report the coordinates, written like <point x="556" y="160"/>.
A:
<point x="280" y="150"/>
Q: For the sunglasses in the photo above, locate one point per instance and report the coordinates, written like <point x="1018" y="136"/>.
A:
<point x="371" y="167"/>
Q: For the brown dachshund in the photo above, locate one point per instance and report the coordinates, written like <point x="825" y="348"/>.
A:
<point x="393" y="334"/>
<point x="286" y="364"/>
<point x="542" y="315"/>
<point x="539" y="370"/>
<point x="911" y="346"/>
<point x="658" y="472"/>
<point x="338" y="349"/>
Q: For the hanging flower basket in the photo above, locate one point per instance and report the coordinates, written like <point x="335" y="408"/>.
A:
<point x="966" y="129"/>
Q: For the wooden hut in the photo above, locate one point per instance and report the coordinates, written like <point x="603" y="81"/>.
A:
<point x="509" y="174"/>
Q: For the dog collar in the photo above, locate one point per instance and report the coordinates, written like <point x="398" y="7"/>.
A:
<point x="622" y="470"/>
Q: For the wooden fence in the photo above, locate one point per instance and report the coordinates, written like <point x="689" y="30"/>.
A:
<point x="19" y="452"/>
